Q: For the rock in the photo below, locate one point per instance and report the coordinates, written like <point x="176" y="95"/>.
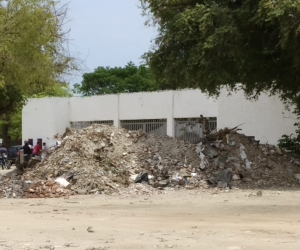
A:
<point x="278" y="151"/>
<point x="81" y="191"/>
<point x="297" y="177"/>
<point x="236" y="182"/>
<point x="238" y="167"/>
<point x="260" y="182"/>
<point x="151" y="182"/>
<point x="222" y="184"/>
<point x="90" y="229"/>
<point x="225" y="176"/>
<point x="210" y="151"/>
<point x="232" y="159"/>
<point x="235" y="177"/>
<point x="133" y="177"/>
<point x="213" y="180"/>
<point x="220" y="161"/>
<point x="247" y="179"/>
<point x="63" y="182"/>
<point x="198" y="149"/>
<point x="142" y="177"/>
<point x="259" y="193"/>
<point x="162" y="183"/>
<point x="184" y="173"/>
<point x="264" y="160"/>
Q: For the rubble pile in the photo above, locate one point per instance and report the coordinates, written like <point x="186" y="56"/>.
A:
<point x="96" y="159"/>
<point x="11" y="186"/>
<point x="176" y="163"/>
<point x="137" y="190"/>
<point x="105" y="160"/>
<point x="46" y="189"/>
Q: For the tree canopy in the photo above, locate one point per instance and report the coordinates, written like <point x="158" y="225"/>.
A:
<point x="212" y="43"/>
<point x="107" y="80"/>
<point x="32" y="49"/>
<point x="11" y="127"/>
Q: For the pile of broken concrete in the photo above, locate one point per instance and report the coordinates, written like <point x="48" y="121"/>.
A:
<point x="102" y="159"/>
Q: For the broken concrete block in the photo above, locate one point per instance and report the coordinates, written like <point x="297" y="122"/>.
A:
<point x="63" y="182"/>
<point x="210" y="151"/>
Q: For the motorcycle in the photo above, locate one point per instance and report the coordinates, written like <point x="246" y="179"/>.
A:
<point x="4" y="162"/>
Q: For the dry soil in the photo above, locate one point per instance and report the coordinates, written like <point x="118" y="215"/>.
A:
<point x="186" y="219"/>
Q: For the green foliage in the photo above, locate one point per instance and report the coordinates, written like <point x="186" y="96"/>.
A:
<point x="14" y="119"/>
<point x="213" y="43"/>
<point x="106" y="80"/>
<point x="209" y="44"/>
<point x="32" y="54"/>
<point x="54" y="90"/>
<point x="15" y="125"/>
<point x="291" y="143"/>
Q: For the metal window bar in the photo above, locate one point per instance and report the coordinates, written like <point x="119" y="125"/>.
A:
<point x="152" y="126"/>
<point x="190" y="129"/>
<point x="212" y="121"/>
<point x="84" y="124"/>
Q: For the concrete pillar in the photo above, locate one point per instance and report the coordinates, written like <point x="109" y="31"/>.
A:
<point x="170" y="118"/>
<point x="117" y="122"/>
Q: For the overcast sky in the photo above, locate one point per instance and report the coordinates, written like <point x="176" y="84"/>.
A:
<point x="107" y="33"/>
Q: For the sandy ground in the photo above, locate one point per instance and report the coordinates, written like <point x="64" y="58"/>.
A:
<point x="194" y="219"/>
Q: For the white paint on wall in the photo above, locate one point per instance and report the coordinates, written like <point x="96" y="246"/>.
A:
<point x="193" y="103"/>
<point x="263" y="119"/>
<point x="43" y="118"/>
<point x="266" y="119"/>
<point x="94" y="108"/>
<point x="153" y="105"/>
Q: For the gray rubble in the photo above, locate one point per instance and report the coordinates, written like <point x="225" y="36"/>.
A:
<point x="102" y="159"/>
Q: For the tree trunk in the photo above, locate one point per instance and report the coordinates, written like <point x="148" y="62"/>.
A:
<point x="6" y="139"/>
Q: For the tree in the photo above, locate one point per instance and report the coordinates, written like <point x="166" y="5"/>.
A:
<point x="12" y="127"/>
<point x="107" y="80"/>
<point x="208" y="44"/>
<point x="32" y="50"/>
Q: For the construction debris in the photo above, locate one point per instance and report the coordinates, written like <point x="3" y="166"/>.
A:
<point x="102" y="159"/>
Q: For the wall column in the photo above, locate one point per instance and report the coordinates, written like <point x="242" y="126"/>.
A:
<point x="170" y="118"/>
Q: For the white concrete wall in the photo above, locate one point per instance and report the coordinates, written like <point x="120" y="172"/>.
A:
<point x="43" y="118"/>
<point x="94" y="108"/>
<point x="266" y="119"/>
<point x="193" y="103"/>
<point x="263" y="119"/>
<point x="155" y="105"/>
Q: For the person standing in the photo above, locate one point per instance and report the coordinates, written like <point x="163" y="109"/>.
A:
<point x="26" y="148"/>
<point x="3" y="151"/>
<point x="36" y="150"/>
<point x="44" y="151"/>
<point x="27" y="151"/>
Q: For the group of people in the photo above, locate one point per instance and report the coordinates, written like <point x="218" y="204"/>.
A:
<point x="36" y="150"/>
<point x="29" y="150"/>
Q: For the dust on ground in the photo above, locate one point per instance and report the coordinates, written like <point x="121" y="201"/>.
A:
<point x="194" y="219"/>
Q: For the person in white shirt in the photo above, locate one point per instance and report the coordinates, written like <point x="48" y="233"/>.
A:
<point x="44" y="151"/>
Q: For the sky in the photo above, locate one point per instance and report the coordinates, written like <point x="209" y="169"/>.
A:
<point x="106" y="33"/>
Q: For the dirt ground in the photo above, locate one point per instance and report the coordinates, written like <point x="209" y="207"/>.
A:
<point x="191" y="219"/>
